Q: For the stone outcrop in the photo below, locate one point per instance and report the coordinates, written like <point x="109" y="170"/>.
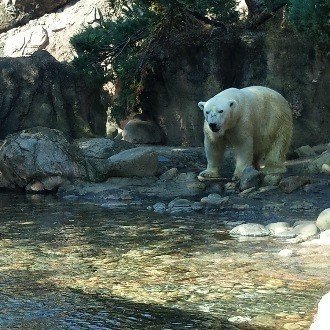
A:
<point x="40" y="157"/>
<point x="18" y="12"/>
<point x="39" y="91"/>
<point x="58" y="24"/>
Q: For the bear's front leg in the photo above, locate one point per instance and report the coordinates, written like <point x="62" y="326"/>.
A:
<point x="214" y="151"/>
<point x="244" y="157"/>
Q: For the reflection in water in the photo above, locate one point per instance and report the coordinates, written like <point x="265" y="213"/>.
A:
<point x="67" y="265"/>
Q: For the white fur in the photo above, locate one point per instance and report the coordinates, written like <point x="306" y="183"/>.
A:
<point x="256" y="121"/>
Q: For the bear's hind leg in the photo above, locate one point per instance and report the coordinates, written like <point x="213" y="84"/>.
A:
<point x="274" y="160"/>
<point x="244" y="157"/>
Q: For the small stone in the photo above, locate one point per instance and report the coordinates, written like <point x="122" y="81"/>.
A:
<point x="239" y="319"/>
<point x="305" y="151"/>
<point x="325" y="168"/>
<point x="230" y="187"/>
<point x="272" y="179"/>
<point x="159" y="207"/>
<point x="35" y="187"/>
<point x="291" y="183"/>
<point x="169" y="175"/>
<point x="323" y="220"/>
<point x="179" y="205"/>
<point x="197" y="206"/>
<point x="285" y="253"/>
<point x="250" y="178"/>
<point x="215" y="200"/>
<point x="250" y="229"/>
<point x="247" y="191"/>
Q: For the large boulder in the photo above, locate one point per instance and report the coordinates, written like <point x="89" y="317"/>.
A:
<point x="137" y="162"/>
<point x="38" y="154"/>
<point x="40" y="91"/>
<point x="143" y="132"/>
<point x="18" y="12"/>
<point x="96" y="152"/>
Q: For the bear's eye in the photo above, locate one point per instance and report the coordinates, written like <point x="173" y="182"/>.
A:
<point x="207" y="112"/>
<point x="220" y="111"/>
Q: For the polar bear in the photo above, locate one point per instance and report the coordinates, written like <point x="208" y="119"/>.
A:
<point x="256" y="121"/>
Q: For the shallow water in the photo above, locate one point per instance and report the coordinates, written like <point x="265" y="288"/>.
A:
<point x="70" y="265"/>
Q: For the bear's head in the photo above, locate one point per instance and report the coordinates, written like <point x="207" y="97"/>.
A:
<point x="218" y="114"/>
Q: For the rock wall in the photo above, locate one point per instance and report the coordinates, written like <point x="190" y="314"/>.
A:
<point x="40" y="91"/>
<point x="18" y="12"/>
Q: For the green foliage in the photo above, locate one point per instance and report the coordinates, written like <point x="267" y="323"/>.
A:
<point x="125" y="49"/>
<point x="309" y="18"/>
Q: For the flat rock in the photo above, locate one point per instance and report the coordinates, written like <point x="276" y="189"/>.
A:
<point x="215" y="200"/>
<point x="291" y="183"/>
<point x="305" y="151"/>
<point x="133" y="162"/>
<point x="306" y="230"/>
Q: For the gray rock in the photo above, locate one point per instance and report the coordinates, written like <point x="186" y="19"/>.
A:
<point x="141" y="131"/>
<point x="180" y="205"/>
<point x="39" y="153"/>
<point x="250" y="178"/>
<point x="250" y="229"/>
<point x="230" y="188"/>
<point x="215" y="200"/>
<point x="97" y="151"/>
<point x="133" y="162"/>
<point x="322" y="317"/>
<point x="305" y="151"/>
<point x="272" y="179"/>
<point x="306" y="230"/>
<point x="323" y="220"/>
<point x="197" y="206"/>
<point x="291" y="183"/>
<point x="159" y="207"/>
<point x="317" y="165"/>
<point x="169" y="174"/>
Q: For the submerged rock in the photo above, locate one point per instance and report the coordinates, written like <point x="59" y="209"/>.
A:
<point x="180" y="205"/>
<point x="215" y="200"/>
<point x="250" y="229"/>
<point x="36" y="154"/>
<point x="278" y="227"/>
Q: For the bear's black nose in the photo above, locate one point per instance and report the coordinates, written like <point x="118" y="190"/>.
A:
<point x="214" y="127"/>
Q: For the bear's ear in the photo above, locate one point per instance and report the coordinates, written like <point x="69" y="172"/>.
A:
<point x="232" y="103"/>
<point x="201" y="105"/>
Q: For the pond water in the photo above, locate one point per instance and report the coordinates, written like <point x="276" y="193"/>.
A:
<point x="71" y="265"/>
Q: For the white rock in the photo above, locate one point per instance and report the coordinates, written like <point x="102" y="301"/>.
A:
<point x="323" y="220"/>
<point x="278" y="227"/>
<point x="27" y="42"/>
<point x="306" y="230"/>
<point x="239" y="319"/>
<point x="285" y="253"/>
<point x="322" y="318"/>
<point x="250" y="229"/>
